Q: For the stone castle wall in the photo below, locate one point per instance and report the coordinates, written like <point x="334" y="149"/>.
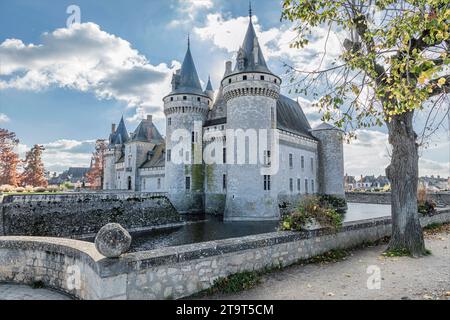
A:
<point x="79" y="215"/>
<point x="176" y="272"/>
<point x="441" y="199"/>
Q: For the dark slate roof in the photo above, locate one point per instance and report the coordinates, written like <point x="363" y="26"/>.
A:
<point x="187" y="80"/>
<point x="325" y="126"/>
<point x="147" y="132"/>
<point x="156" y="157"/>
<point x="121" y="135"/>
<point x="291" y="117"/>
<point x="218" y="112"/>
<point x="209" y="86"/>
<point x="248" y="50"/>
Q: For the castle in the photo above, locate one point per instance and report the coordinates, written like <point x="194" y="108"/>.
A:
<point x="248" y="108"/>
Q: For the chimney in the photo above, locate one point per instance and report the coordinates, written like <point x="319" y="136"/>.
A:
<point x="113" y="128"/>
<point x="228" y="66"/>
<point x="150" y="118"/>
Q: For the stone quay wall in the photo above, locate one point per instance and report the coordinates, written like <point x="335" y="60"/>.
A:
<point x="76" y="268"/>
<point x="80" y="215"/>
<point x="441" y="199"/>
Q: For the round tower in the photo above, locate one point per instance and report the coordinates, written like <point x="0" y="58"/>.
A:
<point x="186" y="108"/>
<point x="251" y="92"/>
<point x="331" y="159"/>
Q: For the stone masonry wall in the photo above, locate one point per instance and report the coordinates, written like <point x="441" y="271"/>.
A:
<point x="76" y="215"/>
<point x="176" y="272"/>
<point x="441" y="199"/>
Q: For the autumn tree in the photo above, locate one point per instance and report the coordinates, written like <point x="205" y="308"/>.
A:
<point x="394" y="63"/>
<point x="95" y="175"/>
<point x="34" y="172"/>
<point x="8" y="158"/>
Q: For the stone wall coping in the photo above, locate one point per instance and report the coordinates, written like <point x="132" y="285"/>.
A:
<point x="137" y="261"/>
<point x="85" y="251"/>
<point x="66" y="197"/>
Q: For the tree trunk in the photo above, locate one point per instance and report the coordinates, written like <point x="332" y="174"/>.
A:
<point x="403" y="173"/>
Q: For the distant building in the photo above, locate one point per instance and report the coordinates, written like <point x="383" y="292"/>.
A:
<point x="76" y="176"/>
<point x="435" y="184"/>
<point x="366" y="183"/>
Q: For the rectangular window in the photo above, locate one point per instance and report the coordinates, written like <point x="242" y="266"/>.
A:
<point x="193" y="137"/>
<point x="169" y="155"/>
<point x="291" y="161"/>
<point x="266" y="183"/>
<point x="184" y="98"/>
<point x="244" y="78"/>
<point x="306" y="186"/>
<point x="144" y="183"/>
<point x="188" y="183"/>
<point x="303" y="163"/>
<point x="262" y="78"/>
<point x="267" y="160"/>
<point x="224" y="159"/>
<point x="198" y="99"/>
<point x="291" y="185"/>
<point x="272" y="117"/>
<point x="313" y="187"/>
<point x="224" y="182"/>
<point x="169" y="121"/>
<point x="312" y="164"/>
<point x="299" y="185"/>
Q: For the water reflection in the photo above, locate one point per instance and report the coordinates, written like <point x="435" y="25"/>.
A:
<point x="213" y="228"/>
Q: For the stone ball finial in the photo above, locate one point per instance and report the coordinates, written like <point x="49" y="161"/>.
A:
<point x="112" y="240"/>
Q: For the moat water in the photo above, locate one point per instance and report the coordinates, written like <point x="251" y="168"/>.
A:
<point x="212" y="228"/>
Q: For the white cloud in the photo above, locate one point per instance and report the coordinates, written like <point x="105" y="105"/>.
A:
<point x="228" y="34"/>
<point x="4" y="118"/>
<point x="188" y="10"/>
<point x="85" y="58"/>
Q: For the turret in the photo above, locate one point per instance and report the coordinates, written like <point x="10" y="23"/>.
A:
<point x="118" y="137"/>
<point x="251" y="91"/>
<point x="331" y="159"/>
<point x="209" y="91"/>
<point x="186" y="108"/>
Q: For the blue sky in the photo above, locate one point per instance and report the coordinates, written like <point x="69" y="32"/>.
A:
<point x="63" y="88"/>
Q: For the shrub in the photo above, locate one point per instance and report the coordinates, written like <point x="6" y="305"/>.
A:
<point x="329" y="201"/>
<point x="427" y="208"/>
<point x="19" y="190"/>
<point x="39" y="189"/>
<point x="53" y="188"/>
<point x="312" y="210"/>
<point x="7" y="188"/>
<point x="29" y="189"/>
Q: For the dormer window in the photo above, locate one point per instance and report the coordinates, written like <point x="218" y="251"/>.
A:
<point x="184" y="97"/>
<point x="262" y="78"/>
<point x="245" y="78"/>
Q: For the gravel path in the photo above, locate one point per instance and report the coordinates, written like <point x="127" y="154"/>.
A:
<point x="401" y="278"/>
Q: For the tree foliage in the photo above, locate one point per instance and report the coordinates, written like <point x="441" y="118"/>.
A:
<point x="8" y="158"/>
<point x="34" y="171"/>
<point x="95" y="175"/>
<point x="396" y="57"/>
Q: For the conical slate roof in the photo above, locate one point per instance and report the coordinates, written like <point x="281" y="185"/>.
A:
<point x="251" y="54"/>
<point x="209" y="85"/>
<point x="187" y="80"/>
<point x="121" y="135"/>
<point x="147" y="132"/>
